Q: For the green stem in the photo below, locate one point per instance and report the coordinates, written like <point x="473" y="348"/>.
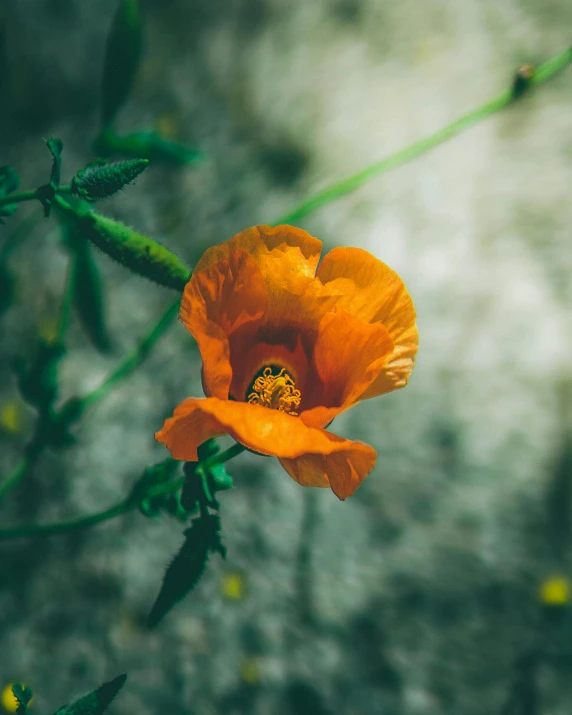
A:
<point x="31" y="195"/>
<point x="18" y="198"/>
<point x="541" y="74"/>
<point x="135" y="357"/>
<point x="123" y="507"/>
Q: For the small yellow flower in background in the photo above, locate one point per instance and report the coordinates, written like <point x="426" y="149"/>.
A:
<point x="169" y="125"/>
<point x="7" y="699"/>
<point x="233" y="586"/>
<point x="11" y="416"/>
<point x="250" y="670"/>
<point x="48" y="329"/>
<point x="555" y="591"/>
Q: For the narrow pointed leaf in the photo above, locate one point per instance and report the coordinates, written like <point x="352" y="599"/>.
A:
<point x="122" y="56"/>
<point x="97" y="702"/>
<point x="89" y="297"/>
<point x="186" y="569"/>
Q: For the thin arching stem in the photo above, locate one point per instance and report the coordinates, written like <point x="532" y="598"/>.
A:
<point x="341" y="188"/>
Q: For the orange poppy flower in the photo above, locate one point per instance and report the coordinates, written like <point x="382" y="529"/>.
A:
<point x="285" y="348"/>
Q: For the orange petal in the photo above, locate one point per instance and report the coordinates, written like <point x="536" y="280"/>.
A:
<point x="287" y="258"/>
<point x="216" y="301"/>
<point x="344" y="469"/>
<point x="348" y="356"/>
<point x="276" y="250"/>
<point x="268" y="432"/>
<point x="371" y="291"/>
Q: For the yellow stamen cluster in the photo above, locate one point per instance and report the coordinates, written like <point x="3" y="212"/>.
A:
<point x="275" y="391"/>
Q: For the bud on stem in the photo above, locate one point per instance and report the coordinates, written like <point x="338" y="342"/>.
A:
<point x="133" y="250"/>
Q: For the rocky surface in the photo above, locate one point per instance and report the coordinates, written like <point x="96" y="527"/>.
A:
<point x="420" y="594"/>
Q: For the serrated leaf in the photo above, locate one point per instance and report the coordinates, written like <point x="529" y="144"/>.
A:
<point x="122" y="56"/>
<point x="97" y="702"/>
<point x="99" y="180"/>
<point x="145" y="145"/>
<point x="9" y="180"/>
<point x="23" y="694"/>
<point x="186" y="569"/>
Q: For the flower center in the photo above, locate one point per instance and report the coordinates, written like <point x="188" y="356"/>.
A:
<point x="277" y="391"/>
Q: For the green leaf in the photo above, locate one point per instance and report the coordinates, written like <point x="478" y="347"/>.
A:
<point x="55" y="147"/>
<point x="186" y="569"/>
<point x="145" y="145"/>
<point x="221" y="478"/>
<point x="97" y="702"/>
<point x="122" y="56"/>
<point x="154" y="476"/>
<point x="38" y="380"/>
<point x="100" y="179"/>
<point x="133" y="250"/>
<point x="23" y="694"/>
<point x="89" y="297"/>
<point x="9" y="180"/>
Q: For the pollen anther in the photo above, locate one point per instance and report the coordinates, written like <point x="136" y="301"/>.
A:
<point x="275" y="391"/>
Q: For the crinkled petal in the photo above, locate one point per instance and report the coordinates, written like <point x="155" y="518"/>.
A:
<point x="344" y="469"/>
<point x="217" y="300"/>
<point x="269" y="432"/>
<point x="372" y="292"/>
<point x="277" y="250"/>
<point x="348" y="356"/>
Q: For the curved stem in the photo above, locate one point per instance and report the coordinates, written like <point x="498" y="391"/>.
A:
<point x="541" y="74"/>
<point x="31" y="195"/>
<point x="123" y="507"/>
<point x="18" y="198"/>
<point x="135" y="357"/>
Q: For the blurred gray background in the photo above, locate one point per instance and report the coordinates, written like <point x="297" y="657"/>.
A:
<point x="420" y="594"/>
